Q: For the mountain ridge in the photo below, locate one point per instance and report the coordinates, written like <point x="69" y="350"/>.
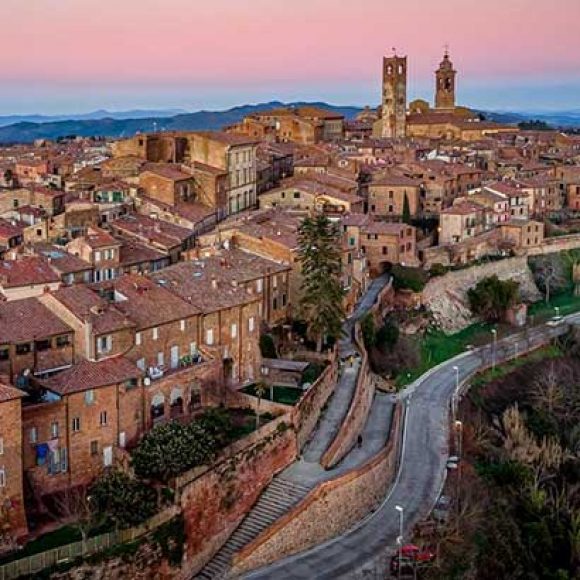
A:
<point x="116" y="127"/>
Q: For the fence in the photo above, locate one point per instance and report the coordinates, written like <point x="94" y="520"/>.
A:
<point x="33" y="564"/>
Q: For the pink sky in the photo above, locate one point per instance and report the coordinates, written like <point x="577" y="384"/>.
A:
<point x="240" y="43"/>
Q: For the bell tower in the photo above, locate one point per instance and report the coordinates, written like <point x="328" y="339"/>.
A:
<point x="394" y="108"/>
<point x="445" y="84"/>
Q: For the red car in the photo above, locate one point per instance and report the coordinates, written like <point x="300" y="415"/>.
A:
<point x="419" y="555"/>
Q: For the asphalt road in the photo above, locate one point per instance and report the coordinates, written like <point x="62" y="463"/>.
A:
<point x="421" y="474"/>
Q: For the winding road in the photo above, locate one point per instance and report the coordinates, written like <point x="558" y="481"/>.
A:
<point x="422" y="467"/>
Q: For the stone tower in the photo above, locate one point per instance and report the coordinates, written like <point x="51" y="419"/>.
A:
<point x="394" y="110"/>
<point x="445" y="84"/>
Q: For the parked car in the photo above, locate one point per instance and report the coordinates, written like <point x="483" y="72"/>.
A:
<point x="419" y="555"/>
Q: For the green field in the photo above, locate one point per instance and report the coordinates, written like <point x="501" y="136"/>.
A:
<point x="437" y="347"/>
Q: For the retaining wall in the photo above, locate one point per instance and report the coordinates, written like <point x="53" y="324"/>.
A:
<point x="329" y="510"/>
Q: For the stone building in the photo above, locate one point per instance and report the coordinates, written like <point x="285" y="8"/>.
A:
<point x="445" y="84"/>
<point x="393" y="121"/>
<point x="13" y="524"/>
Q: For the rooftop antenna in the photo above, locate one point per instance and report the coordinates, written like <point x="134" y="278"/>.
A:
<point x="394" y="51"/>
<point x="446" y="49"/>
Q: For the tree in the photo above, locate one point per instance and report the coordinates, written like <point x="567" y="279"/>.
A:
<point x="322" y="293"/>
<point x="75" y="507"/>
<point x="369" y="330"/>
<point x="126" y="501"/>
<point x="171" y="449"/>
<point x="406" y="210"/>
<point x="492" y="297"/>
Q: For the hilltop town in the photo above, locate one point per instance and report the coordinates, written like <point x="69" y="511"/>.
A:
<point x="152" y="283"/>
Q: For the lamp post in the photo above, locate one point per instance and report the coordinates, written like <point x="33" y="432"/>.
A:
<point x="493" y="355"/>
<point x="557" y="311"/>
<point x="401" y="511"/>
<point x="455" y="392"/>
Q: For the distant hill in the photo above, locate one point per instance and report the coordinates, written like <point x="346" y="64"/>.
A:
<point x="94" y="115"/>
<point x="128" y="123"/>
<point x="108" y="126"/>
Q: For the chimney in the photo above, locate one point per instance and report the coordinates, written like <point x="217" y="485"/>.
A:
<point x="214" y="283"/>
<point x="89" y="344"/>
<point x="234" y="283"/>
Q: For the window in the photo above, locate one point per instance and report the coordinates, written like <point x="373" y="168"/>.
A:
<point x="275" y="304"/>
<point x="41" y="345"/>
<point x="182" y="325"/>
<point x="1" y="446"/>
<point x="2" y="477"/>
<point x="97" y="256"/>
<point x="284" y="299"/>
<point x="103" y="418"/>
<point x="234" y="330"/>
<point x="155" y="333"/>
<point x="23" y="348"/>
<point x="209" y="336"/>
<point x="141" y="364"/>
<point x="54" y="429"/>
<point x="138" y="339"/>
<point x="76" y="424"/>
<point x="4" y="353"/>
<point x="275" y="281"/>
<point x="160" y="359"/>
<point x="296" y="195"/>
<point x="104" y="344"/>
<point x="33" y="435"/>
<point x="260" y="285"/>
<point x="94" y="448"/>
<point x="89" y="397"/>
<point x="251" y="324"/>
<point x="62" y="341"/>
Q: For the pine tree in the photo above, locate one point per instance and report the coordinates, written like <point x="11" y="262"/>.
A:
<point x="322" y="293"/>
<point x="406" y="210"/>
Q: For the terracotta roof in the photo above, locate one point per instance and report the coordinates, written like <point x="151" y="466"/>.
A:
<point x="98" y="238"/>
<point x="168" y="171"/>
<point x="193" y="281"/>
<point x="27" y="320"/>
<point x="61" y="260"/>
<point x="463" y="208"/>
<point x="9" y="230"/>
<point x="148" y="304"/>
<point x="92" y="375"/>
<point x="227" y="138"/>
<point x="132" y="253"/>
<point x="86" y="305"/>
<point x="26" y="271"/>
<point x="152" y="230"/>
<point x="8" y="393"/>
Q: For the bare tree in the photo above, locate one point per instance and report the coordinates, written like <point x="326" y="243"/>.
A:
<point x="73" y="507"/>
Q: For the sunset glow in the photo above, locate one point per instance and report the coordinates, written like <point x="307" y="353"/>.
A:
<point x="173" y="52"/>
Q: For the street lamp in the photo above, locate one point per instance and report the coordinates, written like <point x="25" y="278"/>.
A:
<point x="401" y="510"/>
<point x="557" y="310"/>
<point x="456" y="392"/>
<point x="494" y="332"/>
<point x="459" y="438"/>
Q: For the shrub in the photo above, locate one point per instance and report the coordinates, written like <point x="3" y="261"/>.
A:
<point x="127" y="501"/>
<point x="368" y="330"/>
<point x="387" y="336"/>
<point x="437" y="269"/>
<point x="406" y="278"/>
<point x="492" y="297"/>
<point x="171" y="449"/>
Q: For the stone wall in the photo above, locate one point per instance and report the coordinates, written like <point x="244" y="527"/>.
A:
<point x="446" y="296"/>
<point x="307" y="412"/>
<point x="327" y="511"/>
<point x="358" y="412"/>
<point x="215" y="499"/>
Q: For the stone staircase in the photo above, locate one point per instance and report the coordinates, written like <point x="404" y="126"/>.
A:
<point x="275" y="501"/>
